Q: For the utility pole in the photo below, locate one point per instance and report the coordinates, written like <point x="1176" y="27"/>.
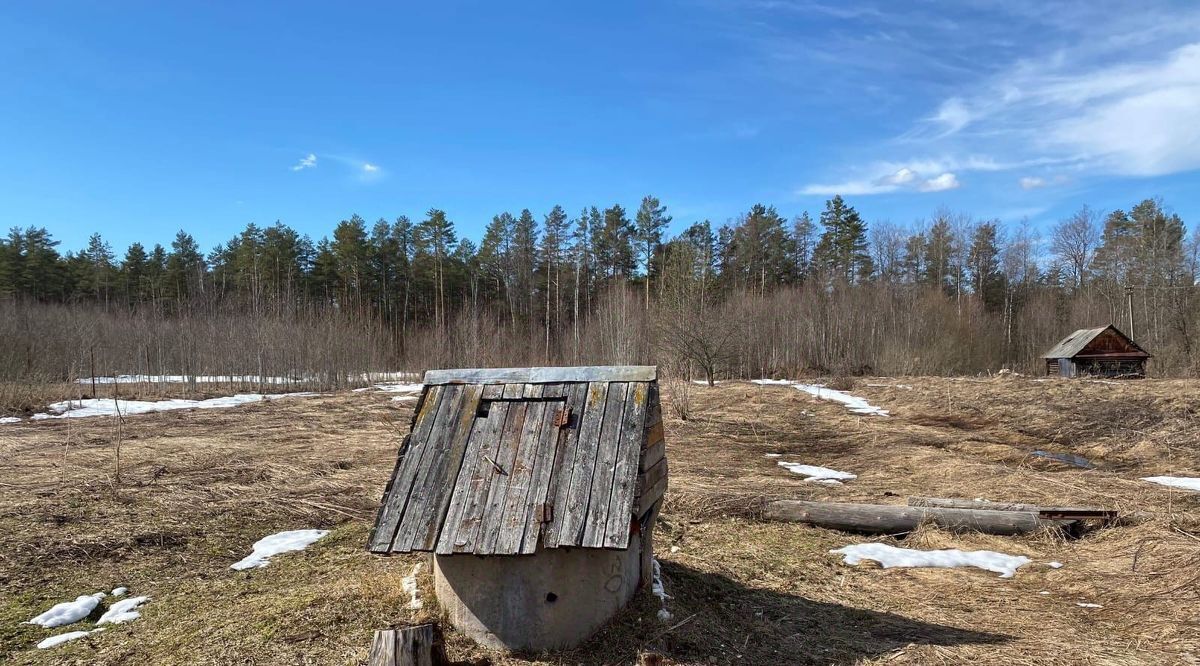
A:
<point x="1129" y="301"/>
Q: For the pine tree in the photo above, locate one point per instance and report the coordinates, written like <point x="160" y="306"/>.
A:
<point x="186" y="268"/>
<point x="612" y="244"/>
<point x="135" y="274"/>
<point x="650" y="222"/>
<point x="842" y="249"/>
<point x="803" y="232"/>
<point x="984" y="263"/>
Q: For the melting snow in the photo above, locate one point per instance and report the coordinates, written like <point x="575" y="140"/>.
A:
<point x="664" y="615"/>
<point x="1185" y="482"/>
<point x="76" y="409"/>
<point x="890" y="556"/>
<point x="124" y="610"/>
<point x="119" y="591"/>
<point x="9" y="419"/>
<point x="815" y="473"/>
<point x="65" y="638"/>
<point x="409" y="583"/>
<point x="68" y="612"/>
<point x="852" y="402"/>
<point x="1055" y="565"/>
<point x="773" y="455"/>
<point x="282" y="542"/>
<point x="1086" y="605"/>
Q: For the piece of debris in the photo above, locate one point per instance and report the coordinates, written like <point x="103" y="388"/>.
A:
<point x="283" y="542"/>
<point x="125" y="610"/>
<point x="1088" y="605"/>
<point x="1185" y="482"/>
<point x="897" y="519"/>
<point x="1067" y="458"/>
<point x="891" y="556"/>
<point x="816" y="473"/>
<point x="664" y="615"/>
<point x="1054" y="565"/>
<point x="409" y="584"/>
<point x="68" y="612"/>
<point x="65" y="638"/>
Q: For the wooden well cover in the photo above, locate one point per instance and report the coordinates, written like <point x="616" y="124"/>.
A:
<point x="502" y="461"/>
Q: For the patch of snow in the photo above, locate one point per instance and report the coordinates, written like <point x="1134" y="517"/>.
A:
<point x="852" y="402"/>
<point x="674" y="549"/>
<point x="1055" y="565"/>
<point x="68" y="612"/>
<point x="773" y="455"/>
<point x="65" y="638"/>
<point x="890" y="556"/>
<point x="119" y="591"/>
<point x="704" y="382"/>
<point x="77" y="409"/>
<point x="828" y="482"/>
<point x="1185" y="482"/>
<point x="185" y="379"/>
<point x="398" y="387"/>
<point x="405" y="398"/>
<point x="815" y="473"/>
<point x="664" y="615"/>
<point x="125" y="610"/>
<point x="9" y="419"/>
<point x="283" y="542"/>
<point x="1087" y="605"/>
<point x="409" y="584"/>
<point x="1043" y="592"/>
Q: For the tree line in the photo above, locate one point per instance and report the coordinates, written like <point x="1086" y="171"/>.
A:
<point x="557" y="289"/>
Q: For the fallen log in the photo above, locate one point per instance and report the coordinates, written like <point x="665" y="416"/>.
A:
<point x="895" y="519"/>
<point x="1046" y="512"/>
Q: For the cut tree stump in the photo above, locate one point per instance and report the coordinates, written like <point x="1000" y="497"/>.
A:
<point x="894" y="519"/>
<point x="411" y="646"/>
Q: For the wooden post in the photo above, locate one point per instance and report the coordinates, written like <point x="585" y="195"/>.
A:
<point x="411" y="646"/>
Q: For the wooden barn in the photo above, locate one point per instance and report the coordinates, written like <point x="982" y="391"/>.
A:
<point x="536" y="490"/>
<point x="1100" y="352"/>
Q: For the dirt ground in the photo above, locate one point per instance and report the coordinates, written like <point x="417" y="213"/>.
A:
<point x="197" y="488"/>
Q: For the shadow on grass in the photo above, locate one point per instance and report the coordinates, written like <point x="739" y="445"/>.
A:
<point x="721" y="621"/>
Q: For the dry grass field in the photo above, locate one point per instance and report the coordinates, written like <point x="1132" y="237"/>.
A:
<point x="197" y="488"/>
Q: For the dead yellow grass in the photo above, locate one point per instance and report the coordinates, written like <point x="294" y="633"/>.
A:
<point x="198" y="488"/>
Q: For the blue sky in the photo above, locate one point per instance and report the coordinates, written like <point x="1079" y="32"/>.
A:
<point x="138" y="119"/>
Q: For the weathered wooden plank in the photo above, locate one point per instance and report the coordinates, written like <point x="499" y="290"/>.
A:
<point x="620" y="502"/>
<point x="480" y="481"/>
<point x="383" y="648"/>
<point x="445" y="472"/>
<point x="654" y="435"/>
<point x="515" y="514"/>
<point x="653" y="407"/>
<point x="554" y="390"/>
<point x="894" y="519"/>
<point x="655" y="493"/>
<point x="506" y="455"/>
<point x="424" y="483"/>
<point x="397" y="495"/>
<point x="647" y="479"/>
<point x="468" y="475"/>
<point x="551" y="481"/>
<point x="513" y="391"/>
<point x="607" y="448"/>
<point x="571" y="509"/>
<point x="544" y="375"/>
<point x="583" y="395"/>
<point x="652" y="455"/>
<point x="493" y="391"/>
<point x="1052" y="512"/>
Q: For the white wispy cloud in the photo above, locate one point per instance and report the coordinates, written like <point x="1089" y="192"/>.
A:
<point x="367" y="167"/>
<point x="307" y="162"/>
<point x="1084" y="89"/>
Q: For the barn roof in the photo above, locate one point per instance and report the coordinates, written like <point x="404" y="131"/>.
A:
<point x="1075" y="343"/>
<point x="504" y="461"/>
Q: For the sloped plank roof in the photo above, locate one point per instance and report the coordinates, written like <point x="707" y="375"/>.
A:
<point x="1073" y="344"/>
<point x="505" y="468"/>
<point x="544" y="375"/>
